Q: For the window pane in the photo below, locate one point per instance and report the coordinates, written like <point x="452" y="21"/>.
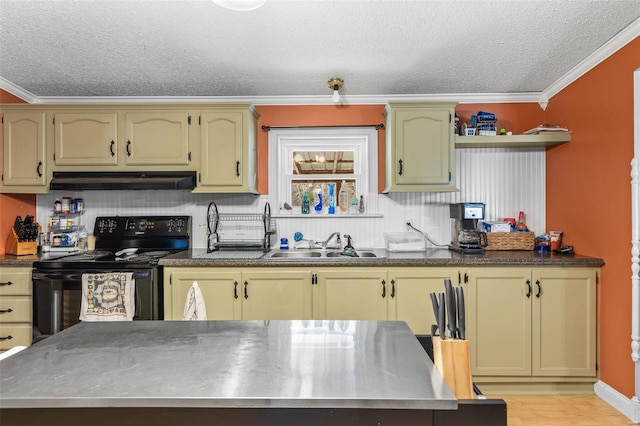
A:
<point x="313" y="187"/>
<point x="323" y="162"/>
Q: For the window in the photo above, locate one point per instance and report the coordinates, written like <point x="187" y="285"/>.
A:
<point x="309" y="160"/>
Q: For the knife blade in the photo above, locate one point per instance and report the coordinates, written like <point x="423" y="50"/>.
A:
<point x="451" y="308"/>
<point x="436" y="313"/>
<point x="442" y="317"/>
<point x="461" y="315"/>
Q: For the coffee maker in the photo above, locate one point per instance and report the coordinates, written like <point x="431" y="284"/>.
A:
<point x="465" y="235"/>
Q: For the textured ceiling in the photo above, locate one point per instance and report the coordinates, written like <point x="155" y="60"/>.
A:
<point x="196" y="48"/>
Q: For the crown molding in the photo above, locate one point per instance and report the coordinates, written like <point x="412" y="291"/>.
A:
<point x="464" y="98"/>
<point x="18" y="91"/>
<point x="616" y="43"/>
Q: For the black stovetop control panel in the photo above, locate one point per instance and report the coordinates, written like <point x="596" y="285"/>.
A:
<point x="143" y="226"/>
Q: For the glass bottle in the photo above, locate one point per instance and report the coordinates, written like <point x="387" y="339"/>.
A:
<point x="305" y="206"/>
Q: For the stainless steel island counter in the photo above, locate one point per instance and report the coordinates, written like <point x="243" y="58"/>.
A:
<point x="245" y="372"/>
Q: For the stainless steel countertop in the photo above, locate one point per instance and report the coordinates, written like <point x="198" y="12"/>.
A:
<point x="257" y="364"/>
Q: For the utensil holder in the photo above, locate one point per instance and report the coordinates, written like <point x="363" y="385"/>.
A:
<point x="19" y="248"/>
<point x="451" y="358"/>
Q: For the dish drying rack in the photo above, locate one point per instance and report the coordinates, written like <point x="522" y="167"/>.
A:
<point x="239" y="231"/>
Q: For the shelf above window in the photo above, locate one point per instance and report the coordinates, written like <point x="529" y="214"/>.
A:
<point x="513" y="141"/>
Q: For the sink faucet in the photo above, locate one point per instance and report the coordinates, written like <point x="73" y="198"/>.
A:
<point x="326" y="242"/>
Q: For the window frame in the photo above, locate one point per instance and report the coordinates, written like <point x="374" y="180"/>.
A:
<point x="283" y="142"/>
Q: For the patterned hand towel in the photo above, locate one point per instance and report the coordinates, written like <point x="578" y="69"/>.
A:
<point x="108" y="297"/>
<point x="194" y="308"/>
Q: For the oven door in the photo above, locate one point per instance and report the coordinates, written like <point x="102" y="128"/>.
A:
<point x="57" y="296"/>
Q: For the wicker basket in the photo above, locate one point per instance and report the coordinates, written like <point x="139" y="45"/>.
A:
<point x="510" y="241"/>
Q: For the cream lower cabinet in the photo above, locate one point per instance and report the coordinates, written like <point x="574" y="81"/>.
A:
<point x="16" y="311"/>
<point x="248" y="294"/>
<point x="24" y="168"/>
<point x="537" y="322"/>
<point x="399" y="294"/>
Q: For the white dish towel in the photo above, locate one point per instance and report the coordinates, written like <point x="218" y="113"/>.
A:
<point x="194" y="308"/>
<point x="108" y="297"/>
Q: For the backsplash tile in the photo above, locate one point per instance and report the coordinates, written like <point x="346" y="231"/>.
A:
<point x="507" y="180"/>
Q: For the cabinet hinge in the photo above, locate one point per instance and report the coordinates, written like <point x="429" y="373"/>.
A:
<point x="54" y="156"/>
<point x="189" y="120"/>
<point x="199" y="177"/>
<point x="449" y="176"/>
<point x="189" y="155"/>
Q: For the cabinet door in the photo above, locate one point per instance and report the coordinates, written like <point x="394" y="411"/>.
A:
<point x="421" y="148"/>
<point x="564" y="322"/>
<point x="499" y="321"/>
<point x="86" y="139"/>
<point x="156" y="138"/>
<point x="23" y="152"/>
<point x="409" y="298"/>
<point x="276" y="295"/>
<point x="351" y="294"/>
<point x="219" y="291"/>
<point x="222" y="152"/>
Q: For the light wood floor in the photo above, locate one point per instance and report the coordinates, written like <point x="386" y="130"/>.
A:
<point x="561" y="410"/>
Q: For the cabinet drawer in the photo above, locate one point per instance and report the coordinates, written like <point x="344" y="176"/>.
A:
<point x="15" y="335"/>
<point x="15" y="309"/>
<point x="15" y="281"/>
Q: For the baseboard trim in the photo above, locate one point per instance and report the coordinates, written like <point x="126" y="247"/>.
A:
<point x="628" y="407"/>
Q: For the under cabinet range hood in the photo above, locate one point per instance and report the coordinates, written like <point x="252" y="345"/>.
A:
<point x="102" y="181"/>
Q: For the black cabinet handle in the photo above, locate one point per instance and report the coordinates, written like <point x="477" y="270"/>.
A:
<point x="111" y="148"/>
<point x="9" y="337"/>
<point x="246" y="295"/>
<point x="400" y="172"/>
<point x="393" y="288"/>
<point x="6" y="311"/>
<point x="128" y="148"/>
<point x="384" y="289"/>
<point x="235" y="289"/>
<point x="529" y="289"/>
<point x="466" y="278"/>
<point x="539" y="289"/>
<point x="237" y="168"/>
<point x="5" y="283"/>
<point x="39" y="169"/>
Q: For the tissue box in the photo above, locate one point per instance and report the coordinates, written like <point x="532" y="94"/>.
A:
<point x="497" y="226"/>
<point x="405" y="241"/>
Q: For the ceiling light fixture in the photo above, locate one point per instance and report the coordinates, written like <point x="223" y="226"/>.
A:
<point x="336" y="84"/>
<point x="240" y="5"/>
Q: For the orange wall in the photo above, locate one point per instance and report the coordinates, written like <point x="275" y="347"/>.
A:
<point x="12" y="205"/>
<point x="589" y="194"/>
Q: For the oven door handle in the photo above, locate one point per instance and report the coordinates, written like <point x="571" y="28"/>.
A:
<point x="61" y="275"/>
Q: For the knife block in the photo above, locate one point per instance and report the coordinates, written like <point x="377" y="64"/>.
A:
<point x="19" y="248"/>
<point x="451" y="358"/>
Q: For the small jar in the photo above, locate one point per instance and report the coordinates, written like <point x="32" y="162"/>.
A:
<point x="73" y="206"/>
<point x="79" y="205"/>
<point x="66" y="205"/>
<point x="57" y="206"/>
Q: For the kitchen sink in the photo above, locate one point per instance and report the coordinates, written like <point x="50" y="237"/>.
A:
<point x="360" y="254"/>
<point x="294" y="254"/>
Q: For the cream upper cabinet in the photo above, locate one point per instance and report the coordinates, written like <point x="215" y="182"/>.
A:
<point x="24" y="167"/>
<point x="351" y="294"/>
<point x="419" y="147"/>
<point x="269" y="294"/>
<point x="156" y="138"/>
<point x="248" y="294"/>
<point x="86" y="139"/>
<point x="539" y="322"/>
<point x="228" y="150"/>
<point x="409" y="298"/>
